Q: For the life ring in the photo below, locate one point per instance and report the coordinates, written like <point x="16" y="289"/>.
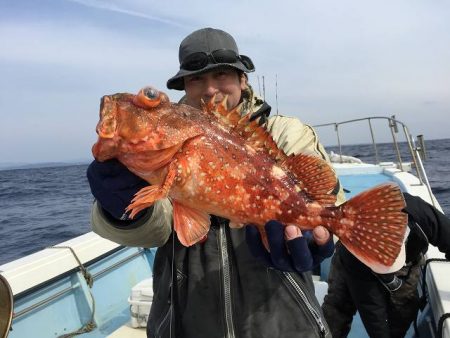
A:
<point x="6" y="307"/>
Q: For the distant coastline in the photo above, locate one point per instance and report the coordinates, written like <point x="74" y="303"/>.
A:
<point x="15" y="165"/>
<point x="382" y="143"/>
<point x="22" y="165"/>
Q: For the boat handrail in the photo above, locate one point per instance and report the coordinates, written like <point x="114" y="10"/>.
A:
<point x="416" y="152"/>
<point x="73" y="286"/>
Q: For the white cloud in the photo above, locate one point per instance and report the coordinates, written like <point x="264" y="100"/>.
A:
<point x="334" y="60"/>
<point x="79" y="46"/>
<point x="132" y="10"/>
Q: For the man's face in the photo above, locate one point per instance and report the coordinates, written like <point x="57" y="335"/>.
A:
<point x="221" y="82"/>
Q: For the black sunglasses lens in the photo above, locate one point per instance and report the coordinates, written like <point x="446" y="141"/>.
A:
<point x="195" y="61"/>
<point x="224" y="56"/>
<point x="247" y="63"/>
<point x="200" y="60"/>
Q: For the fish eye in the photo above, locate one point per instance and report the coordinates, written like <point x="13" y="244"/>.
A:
<point x="151" y="93"/>
<point x="148" y="97"/>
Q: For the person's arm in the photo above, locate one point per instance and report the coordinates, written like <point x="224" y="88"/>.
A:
<point x="114" y="186"/>
<point x="428" y="225"/>
<point x="434" y="224"/>
<point x="295" y="137"/>
<point x="151" y="230"/>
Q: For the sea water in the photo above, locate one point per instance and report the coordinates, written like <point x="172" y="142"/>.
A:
<point x="41" y="207"/>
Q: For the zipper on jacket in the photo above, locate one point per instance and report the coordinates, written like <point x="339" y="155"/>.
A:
<point x="226" y="281"/>
<point x="308" y="304"/>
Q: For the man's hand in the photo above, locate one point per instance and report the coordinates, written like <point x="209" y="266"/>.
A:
<point x="114" y="186"/>
<point x="290" y="249"/>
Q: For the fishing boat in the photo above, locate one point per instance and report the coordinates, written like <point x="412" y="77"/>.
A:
<point x="96" y="288"/>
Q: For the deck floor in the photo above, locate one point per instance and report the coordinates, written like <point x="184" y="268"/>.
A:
<point x="126" y="331"/>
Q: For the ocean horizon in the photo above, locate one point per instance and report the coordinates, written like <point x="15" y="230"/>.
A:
<point x="48" y="203"/>
<point x="25" y="165"/>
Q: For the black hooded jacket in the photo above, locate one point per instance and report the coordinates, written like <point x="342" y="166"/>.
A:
<point x="229" y="293"/>
<point x="222" y="290"/>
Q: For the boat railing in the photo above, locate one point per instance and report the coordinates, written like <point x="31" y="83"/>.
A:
<point x="417" y="152"/>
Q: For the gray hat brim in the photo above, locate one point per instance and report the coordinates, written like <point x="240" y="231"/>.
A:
<point x="177" y="81"/>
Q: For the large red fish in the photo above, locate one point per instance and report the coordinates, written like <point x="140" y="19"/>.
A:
<point x="214" y="161"/>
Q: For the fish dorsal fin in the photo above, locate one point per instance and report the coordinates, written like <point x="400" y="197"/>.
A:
<point x="255" y="136"/>
<point x="229" y="118"/>
<point x="317" y="178"/>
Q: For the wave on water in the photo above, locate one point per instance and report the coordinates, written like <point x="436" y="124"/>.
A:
<point x="42" y="207"/>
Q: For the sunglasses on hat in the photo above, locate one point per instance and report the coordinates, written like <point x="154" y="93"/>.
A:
<point x="200" y="60"/>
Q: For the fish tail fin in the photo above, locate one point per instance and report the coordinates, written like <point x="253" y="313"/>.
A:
<point x="371" y="225"/>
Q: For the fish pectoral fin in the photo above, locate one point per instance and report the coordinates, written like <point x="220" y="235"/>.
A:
<point x="145" y="197"/>
<point x="317" y="177"/>
<point x="152" y="160"/>
<point x="191" y="225"/>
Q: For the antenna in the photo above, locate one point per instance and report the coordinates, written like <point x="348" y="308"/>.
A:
<point x="259" y="86"/>
<point x="264" y="89"/>
<point x="276" y="91"/>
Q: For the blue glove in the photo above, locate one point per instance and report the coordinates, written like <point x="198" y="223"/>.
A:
<point x="300" y="254"/>
<point x="114" y="186"/>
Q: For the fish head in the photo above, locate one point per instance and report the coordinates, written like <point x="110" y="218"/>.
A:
<point x="131" y="123"/>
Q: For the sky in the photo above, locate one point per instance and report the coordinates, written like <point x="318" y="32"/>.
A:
<point x="322" y="61"/>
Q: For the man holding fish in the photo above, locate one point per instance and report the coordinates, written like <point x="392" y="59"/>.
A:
<point x="217" y="162"/>
<point x="222" y="290"/>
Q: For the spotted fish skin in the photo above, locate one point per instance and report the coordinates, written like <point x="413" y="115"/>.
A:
<point x="214" y="161"/>
<point x="230" y="180"/>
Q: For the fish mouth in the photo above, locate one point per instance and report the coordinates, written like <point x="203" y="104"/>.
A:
<point x="105" y="134"/>
<point x="106" y="128"/>
<point x="104" y="149"/>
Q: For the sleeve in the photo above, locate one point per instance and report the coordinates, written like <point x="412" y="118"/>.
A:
<point x="152" y="230"/>
<point x="434" y="224"/>
<point x="295" y="137"/>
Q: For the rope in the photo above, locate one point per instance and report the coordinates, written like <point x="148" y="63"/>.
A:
<point x="86" y="274"/>
<point x="89" y="326"/>
<point x="84" y="329"/>
<point x="172" y="298"/>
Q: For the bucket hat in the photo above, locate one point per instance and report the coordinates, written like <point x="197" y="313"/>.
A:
<point x="207" y="49"/>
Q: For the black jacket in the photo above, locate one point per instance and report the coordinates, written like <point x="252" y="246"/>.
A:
<point x="427" y="225"/>
<point x="223" y="291"/>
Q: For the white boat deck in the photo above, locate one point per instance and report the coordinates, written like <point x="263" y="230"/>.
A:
<point x="37" y="269"/>
<point x="126" y="331"/>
